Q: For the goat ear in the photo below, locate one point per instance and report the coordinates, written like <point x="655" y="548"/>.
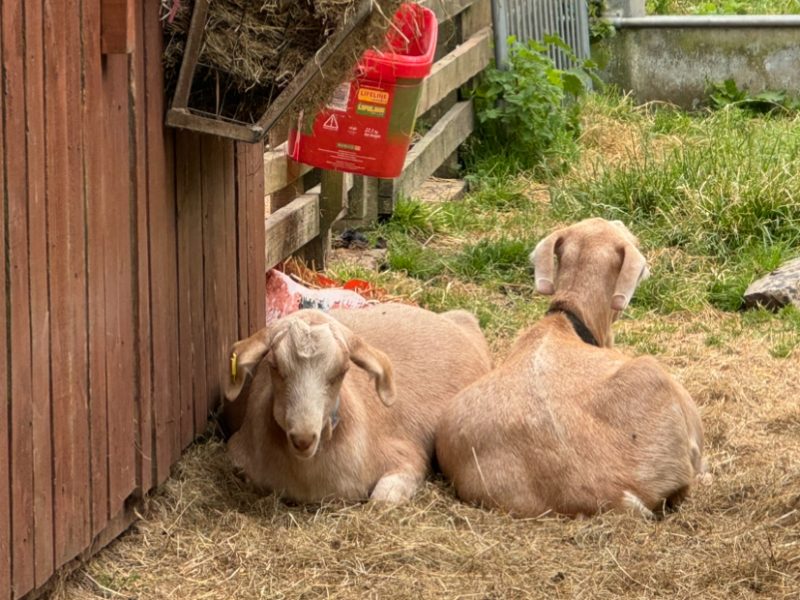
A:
<point x="543" y="260"/>
<point x="634" y="269"/>
<point x="377" y="364"/>
<point x="244" y="356"/>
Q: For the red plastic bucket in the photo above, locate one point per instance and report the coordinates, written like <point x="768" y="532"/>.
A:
<point x="366" y="129"/>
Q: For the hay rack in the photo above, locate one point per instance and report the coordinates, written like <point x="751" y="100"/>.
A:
<point x="181" y="116"/>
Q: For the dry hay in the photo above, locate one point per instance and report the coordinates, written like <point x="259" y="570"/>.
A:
<point x="252" y="49"/>
<point x="206" y="535"/>
<point x="608" y="143"/>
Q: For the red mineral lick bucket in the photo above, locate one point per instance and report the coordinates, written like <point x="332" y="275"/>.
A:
<point x="366" y="129"/>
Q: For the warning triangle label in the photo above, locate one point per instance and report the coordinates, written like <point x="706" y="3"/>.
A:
<point x="331" y="123"/>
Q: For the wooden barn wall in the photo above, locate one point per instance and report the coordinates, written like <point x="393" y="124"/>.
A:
<point x="130" y="258"/>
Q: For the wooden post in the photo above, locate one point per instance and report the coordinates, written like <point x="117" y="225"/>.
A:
<point x="332" y="207"/>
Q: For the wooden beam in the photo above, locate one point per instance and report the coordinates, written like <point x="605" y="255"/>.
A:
<point x="185" y="118"/>
<point x="447" y="9"/>
<point x="118" y="28"/>
<point x="476" y="17"/>
<point x="455" y="69"/>
<point x="290" y="228"/>
<point x="280" y="170"/>
<point x="332" y="207"/>
<point x="426" y="156"/>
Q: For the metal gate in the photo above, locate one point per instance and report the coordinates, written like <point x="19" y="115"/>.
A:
<point x="533" y="19"/>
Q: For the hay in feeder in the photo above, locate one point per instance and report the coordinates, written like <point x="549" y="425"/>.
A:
<point x="252" y="49"/>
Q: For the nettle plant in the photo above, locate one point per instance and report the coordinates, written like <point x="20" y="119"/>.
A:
<point x="527" y="112"/>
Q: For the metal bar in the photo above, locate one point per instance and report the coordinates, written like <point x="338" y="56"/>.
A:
<point x="194" y="41"/>
<point x="583" y="30"/>
<point x="312" y="70"/>
<point x="706" y="21"/>
<point x="500" y="20"/>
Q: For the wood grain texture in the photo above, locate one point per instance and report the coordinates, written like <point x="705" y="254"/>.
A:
<point x="118" y="268"/>
<point x="95" y="169"/>
<point x="118" y="26"/>
<point x="290" y="228"/>
<point x="435" y="146"/>
<point x="475" y="17"/>
<point x="20" y="413"/>
<point x="256" y="238"/>
<point x="66" y="243"/>
<point x="5" y="383"/>
<point x="164" y="284"/>
<point x="281" y="171"/>
<point x="191" y="299"/>
<point x="456" y="69"/>
<point x="39" y="301"/>
<point x="447" y="9"/>
<point x="143" y="339"/>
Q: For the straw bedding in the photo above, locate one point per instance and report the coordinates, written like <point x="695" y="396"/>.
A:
<point x="252" y="49"/>
<point x="206" y="535"/>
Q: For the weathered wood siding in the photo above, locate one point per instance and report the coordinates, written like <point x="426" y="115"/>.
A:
<point x="130" y="258"/>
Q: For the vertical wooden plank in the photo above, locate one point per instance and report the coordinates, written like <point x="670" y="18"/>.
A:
<point x="332" y="207"/>
<point x="120" y="348"/>
<point x="5" y="383"/>
<point x="94" y="167"/>
<point x="39" y="300"/>
<point x="163" y="228"/>
<point x="256" y="271"/>
<point x="21" y="414"/>
<point x="243" y="191"/>
<point x="118" y="26"/>
<point x="191" y="277"/>
<point x="68" y="326"/>
<point x="213" y="182"/>
<point x="231" y="328"/>
<point x="139" y="176"/>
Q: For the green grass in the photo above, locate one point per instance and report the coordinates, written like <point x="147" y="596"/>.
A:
<point x="723" y="7"/>
<point x="712" y="196"/>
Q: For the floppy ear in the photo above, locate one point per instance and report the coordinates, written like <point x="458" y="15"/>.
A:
<point x="543" y="260"/>
<point x="377" y="364"/>
<point x="244" y="356"/>
<point x="372" y="360"/>
<point x="634" y="269"/>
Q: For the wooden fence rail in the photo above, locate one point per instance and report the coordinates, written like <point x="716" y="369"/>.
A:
<point x="305" y="222"/>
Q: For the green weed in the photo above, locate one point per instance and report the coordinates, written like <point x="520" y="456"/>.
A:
<point x="723" y="7"/>
<point x="503" y="259"/>
<point x="522" y="111"/>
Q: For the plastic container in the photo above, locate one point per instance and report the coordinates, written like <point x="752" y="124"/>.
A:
<point x="366" y="129"/>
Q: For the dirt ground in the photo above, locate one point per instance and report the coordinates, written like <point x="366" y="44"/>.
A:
<point x="206" y="536"/>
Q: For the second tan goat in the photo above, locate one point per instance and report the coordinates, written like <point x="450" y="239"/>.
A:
<point x="317" y="429"/>
<point x="566" y="424"/>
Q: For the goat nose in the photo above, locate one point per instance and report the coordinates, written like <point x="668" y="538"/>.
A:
<point x="304" y="441"/>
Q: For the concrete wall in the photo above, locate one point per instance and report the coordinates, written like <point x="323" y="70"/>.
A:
<point x="676" y="64"/>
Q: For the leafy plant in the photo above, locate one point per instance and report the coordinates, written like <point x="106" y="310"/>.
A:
<point x="600" y="28"/>
<point x="723" y="7"/>
<point x="728" y="93"/>
<point x="523" y="111"/>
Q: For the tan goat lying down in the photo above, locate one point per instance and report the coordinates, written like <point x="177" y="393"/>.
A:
<point x="566" y="424"/>
<point x="316" y="429"/>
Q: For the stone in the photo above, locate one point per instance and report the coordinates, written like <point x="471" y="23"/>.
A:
<point x="776" y="290"/>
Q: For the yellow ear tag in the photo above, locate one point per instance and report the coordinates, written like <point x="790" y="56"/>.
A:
<point x="234" y="367"/>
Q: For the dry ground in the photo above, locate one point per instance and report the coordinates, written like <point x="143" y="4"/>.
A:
<point x="204" y="535"/>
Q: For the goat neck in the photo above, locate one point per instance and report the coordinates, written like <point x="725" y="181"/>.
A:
<point x="595" y="314"/>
